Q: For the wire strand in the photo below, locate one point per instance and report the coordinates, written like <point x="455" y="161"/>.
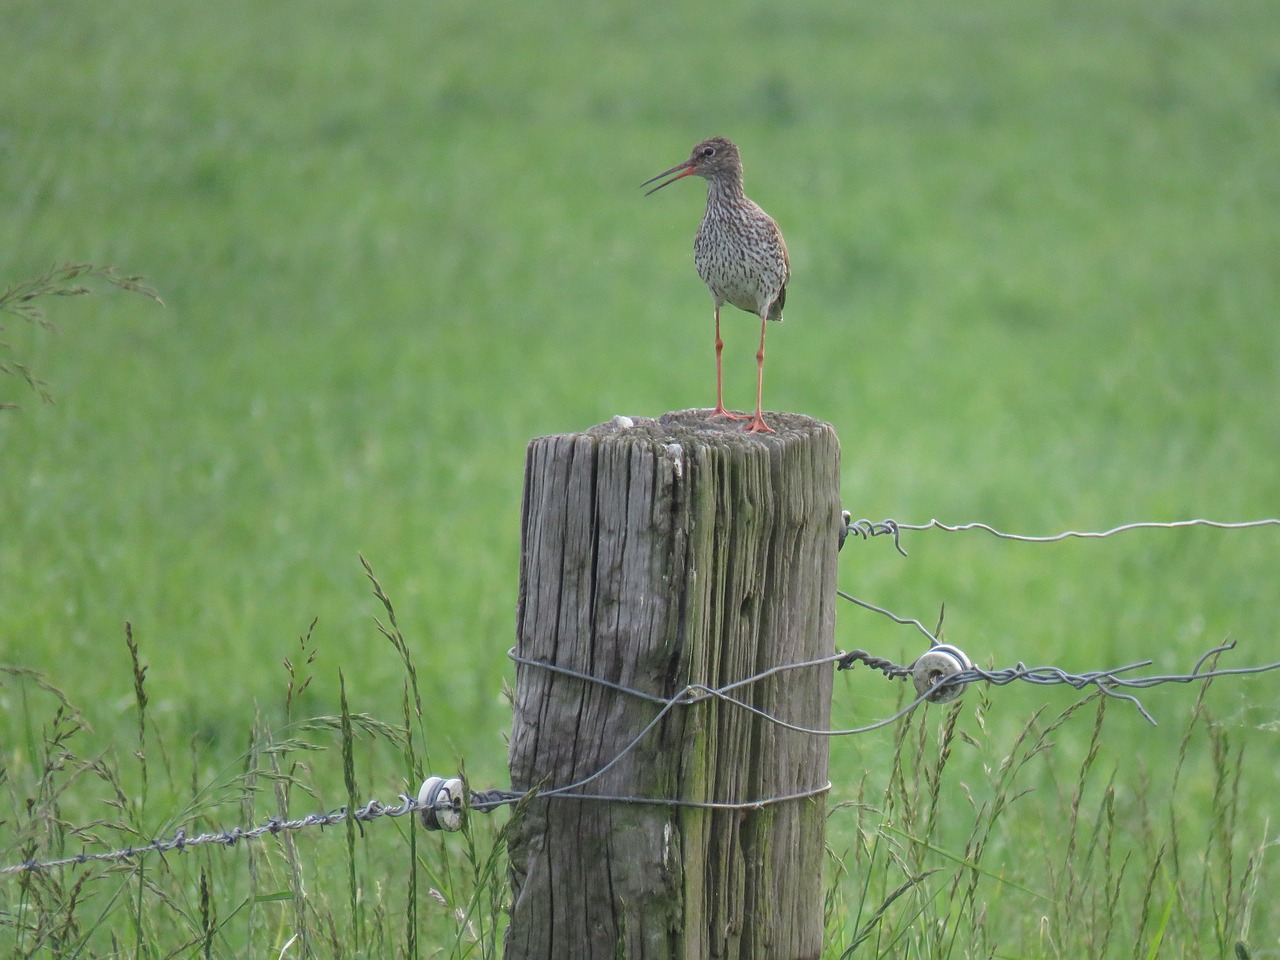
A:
<point x="1113" y="682"/>
<point x="867" y="529"/>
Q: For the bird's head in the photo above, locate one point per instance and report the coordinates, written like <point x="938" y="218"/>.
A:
<point x="712" y="159"/>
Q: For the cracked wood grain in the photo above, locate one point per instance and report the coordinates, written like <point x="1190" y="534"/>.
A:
<point x="656" y="554"/>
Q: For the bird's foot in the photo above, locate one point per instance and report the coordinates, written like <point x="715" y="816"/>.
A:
<point x="720" y="411"/>
<point x="757" y="425"/>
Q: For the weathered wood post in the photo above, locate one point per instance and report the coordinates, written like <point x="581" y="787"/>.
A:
<point x="656" y="555"/>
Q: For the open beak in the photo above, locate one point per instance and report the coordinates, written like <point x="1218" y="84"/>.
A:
<point x="680" y="170"/>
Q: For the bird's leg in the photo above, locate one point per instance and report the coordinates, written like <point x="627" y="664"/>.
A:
<point x="720" y="411"/>
<point x="757" y="424"/>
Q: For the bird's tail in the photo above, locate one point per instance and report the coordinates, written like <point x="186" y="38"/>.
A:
<point x="775" y="308"/>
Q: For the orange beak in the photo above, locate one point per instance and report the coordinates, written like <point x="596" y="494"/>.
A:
<point x="680" y="170"/>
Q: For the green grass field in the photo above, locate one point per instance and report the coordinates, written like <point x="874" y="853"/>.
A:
<point x="1036" y="283"/>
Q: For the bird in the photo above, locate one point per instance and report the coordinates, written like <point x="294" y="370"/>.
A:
<point x="739" y="253"/>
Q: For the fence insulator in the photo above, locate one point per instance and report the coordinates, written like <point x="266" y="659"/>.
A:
<point x="442" y="803"/>
<point x="938" y="663"/>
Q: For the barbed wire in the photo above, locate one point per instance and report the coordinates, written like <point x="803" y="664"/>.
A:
<point x="930" y="686"/>
<point x="1106" y="681"/>
<point x="866" y="529"/>
<point x="939" y="675"/>
<point x="180" y="841"/>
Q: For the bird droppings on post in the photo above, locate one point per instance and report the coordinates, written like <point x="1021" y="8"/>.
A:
<point x="676" y="453"/>
<point x="739" y="253"/>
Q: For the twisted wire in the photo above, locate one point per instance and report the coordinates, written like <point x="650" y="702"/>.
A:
<point x="180" y="841"/>
<point x="866" y="529"/>
<point x="1106" y="681"/>
<point x="1113" y="682"/>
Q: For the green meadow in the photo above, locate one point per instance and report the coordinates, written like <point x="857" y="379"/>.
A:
<point x="1036" y="283"/>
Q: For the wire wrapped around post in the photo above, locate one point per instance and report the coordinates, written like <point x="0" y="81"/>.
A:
<point x="679" y="559"/>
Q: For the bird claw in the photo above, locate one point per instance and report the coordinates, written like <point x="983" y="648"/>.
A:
<point x="757" y="425"/>
<point x="720" y="411"/>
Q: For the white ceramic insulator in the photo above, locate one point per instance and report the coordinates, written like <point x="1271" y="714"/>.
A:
<point x="442" y="803"/>
<point x="936" y="664"/>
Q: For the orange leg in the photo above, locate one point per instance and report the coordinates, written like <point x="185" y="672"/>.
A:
<point x="720" y="410"/>
<point x="757" y="424"/>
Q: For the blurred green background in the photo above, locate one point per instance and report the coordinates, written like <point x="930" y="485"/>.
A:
<point x="1034" y="249"/>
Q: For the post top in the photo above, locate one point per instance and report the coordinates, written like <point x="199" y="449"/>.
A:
<point x="699" y="425"/>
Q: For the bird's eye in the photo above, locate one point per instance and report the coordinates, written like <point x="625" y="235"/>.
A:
<point x="708" y="152"/>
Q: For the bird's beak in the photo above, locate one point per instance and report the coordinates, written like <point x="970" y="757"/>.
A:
<point x="680" y="170"/>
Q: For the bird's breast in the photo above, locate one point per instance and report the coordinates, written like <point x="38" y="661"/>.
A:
<point x="741" y="259"/>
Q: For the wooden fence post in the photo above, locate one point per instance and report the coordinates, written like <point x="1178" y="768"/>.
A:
<point x="657" y="554"/>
